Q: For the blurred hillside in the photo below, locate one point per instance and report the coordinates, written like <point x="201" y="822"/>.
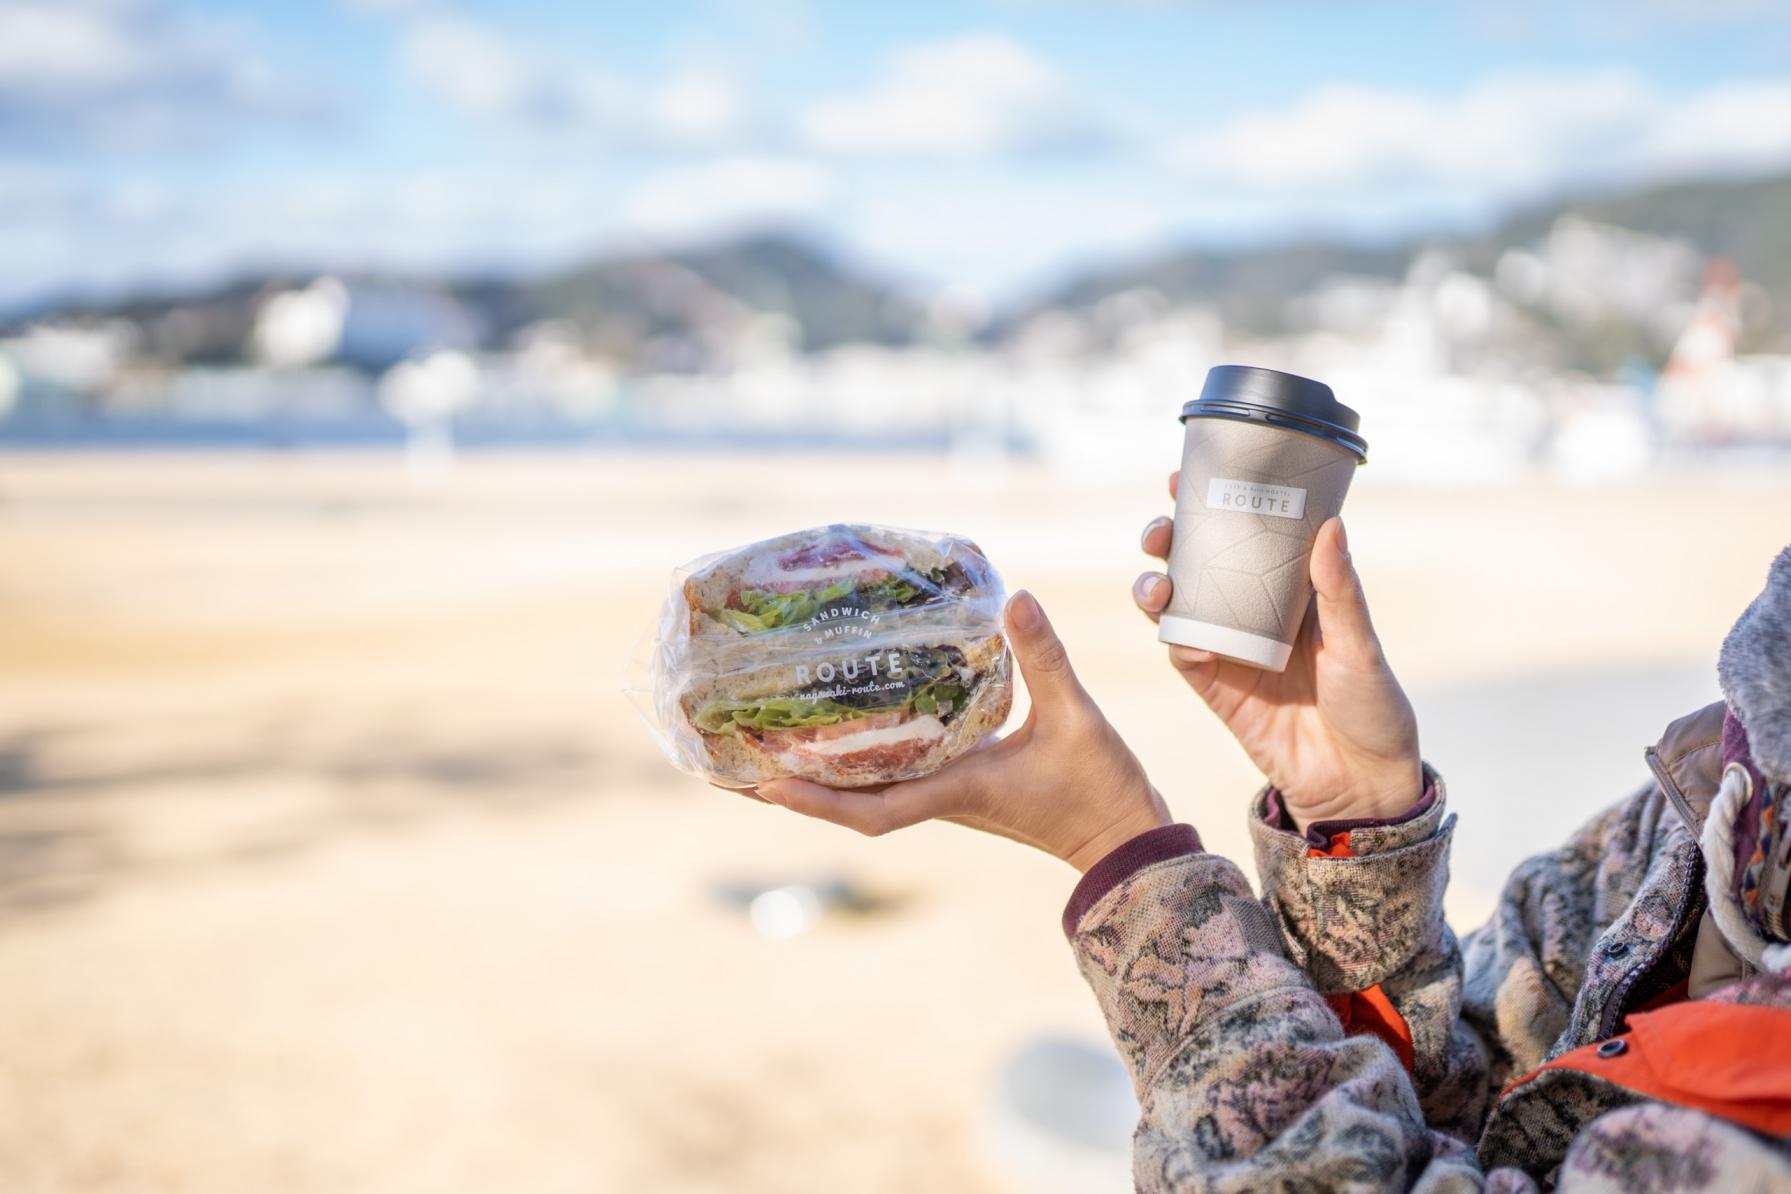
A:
<point x="1258" y="289"/>
<point x="662" y="310"/>
<point x="1592" y="338"/>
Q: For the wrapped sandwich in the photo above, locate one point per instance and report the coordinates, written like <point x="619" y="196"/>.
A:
<point x="849" y="655"/>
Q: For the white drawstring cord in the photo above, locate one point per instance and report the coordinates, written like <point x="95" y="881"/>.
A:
<point x="1719" y="874"/>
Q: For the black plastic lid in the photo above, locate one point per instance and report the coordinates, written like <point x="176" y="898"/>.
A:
<point x="1283" y="399"/>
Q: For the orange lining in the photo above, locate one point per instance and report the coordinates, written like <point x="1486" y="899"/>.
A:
<point x="1730" y="1060"/>
<point x="1367" y="1011"/>
<point x="1372" y="1012"/>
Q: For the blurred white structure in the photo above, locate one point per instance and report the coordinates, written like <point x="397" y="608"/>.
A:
<point x="82" y="357"/>
<point x="1604" y="438"/>
<point x="425" y="395"/>
<point x="296" y="328"/>
<point x="1062" y="1117"/>
<point x="367" y="324"/>
<point x="1708" y="394"/>
<point x="1586" y="272"/>
<point x="10" y="385"/>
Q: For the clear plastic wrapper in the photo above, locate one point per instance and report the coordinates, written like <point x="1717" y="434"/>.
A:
<point x="850" y="655"/>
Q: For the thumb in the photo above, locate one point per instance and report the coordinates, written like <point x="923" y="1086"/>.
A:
<point x="1343" y="619"/>
<point x="1043" y="661"/>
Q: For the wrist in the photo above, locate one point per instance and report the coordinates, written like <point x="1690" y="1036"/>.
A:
<point x="1147" y="814"/>
<point x="1383" y="796"/>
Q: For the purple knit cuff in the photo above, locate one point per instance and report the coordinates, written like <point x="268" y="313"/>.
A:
<point x="1319" y="833"/>
<point x="1124" y="861"/>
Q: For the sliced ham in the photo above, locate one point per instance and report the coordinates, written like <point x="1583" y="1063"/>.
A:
<point x="832" y="551"/>
<point x="871" y="746"/>
<point x="820" y="564"/>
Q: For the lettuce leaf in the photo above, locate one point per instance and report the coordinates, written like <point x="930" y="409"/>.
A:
<point x="742" y="621"/>
<point x="889" y="593"/>
<point x="937" y="699"/>
<point x="761" y="610"/>
<point x="772" y="713"/>
<point x="788" y="609"/>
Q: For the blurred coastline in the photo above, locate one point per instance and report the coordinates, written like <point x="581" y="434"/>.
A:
<point x="1564" y="343"/>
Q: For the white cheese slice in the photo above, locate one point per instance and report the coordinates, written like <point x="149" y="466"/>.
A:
<point x="925" y="729"/>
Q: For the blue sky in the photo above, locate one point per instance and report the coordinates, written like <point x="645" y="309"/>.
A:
<point x="983" y="146"/>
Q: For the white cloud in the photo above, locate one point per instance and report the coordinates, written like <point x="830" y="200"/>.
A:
<point x="1507" y="137"/>
<point x="29" y="192"/>
<point x="130" y="74"/>
<point x="56" y="49"/>
<point x="785" y="24"/>
<point x="519" y="89"/>
<point x="980" y="95"/>
<point x="486" y="75"/>
<point x="993" y="237"/>
<point x="1711" y="10"/>
<point x="1615" y="14"/>
<point x="730" y="193"/>
<point x="114" y="239"/>
<point x="1737" y="126"/>
<point x="696" y="106"/>
<point x="59" y="237"/>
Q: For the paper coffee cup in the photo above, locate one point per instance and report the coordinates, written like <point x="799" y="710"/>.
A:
<point x="1267" y="457"/>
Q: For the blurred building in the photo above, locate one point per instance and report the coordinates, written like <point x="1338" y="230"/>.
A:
<point x="366" y="325"/>
<point x="1587" y="351"/>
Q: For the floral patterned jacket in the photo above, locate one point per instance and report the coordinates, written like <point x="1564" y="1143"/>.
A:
<point x="1226" y="1007"/>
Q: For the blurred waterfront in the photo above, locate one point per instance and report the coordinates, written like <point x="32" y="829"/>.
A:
<point x="1565" y="346"/>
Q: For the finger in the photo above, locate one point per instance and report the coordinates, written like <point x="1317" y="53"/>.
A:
<point x="1155" y="539"/>
<point x="1043" y="660"/>
<point x="870" y="813"/>
<point x="1344" y="626"/>
<point x="1150" y="592"/>
<point x="749" y="793"/>
<point x="1175" y="483"/>
<point x="1200" y="669"/>
<point x="1190" y="657"/>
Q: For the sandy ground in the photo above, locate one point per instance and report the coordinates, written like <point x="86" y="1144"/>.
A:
<point x="333" y="859"/>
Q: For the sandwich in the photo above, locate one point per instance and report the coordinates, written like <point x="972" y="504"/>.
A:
<point x="848" y="655"/>
<point x="788" y="582"/>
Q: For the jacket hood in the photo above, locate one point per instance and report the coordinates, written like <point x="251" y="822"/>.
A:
<point x="1755" y="671"/>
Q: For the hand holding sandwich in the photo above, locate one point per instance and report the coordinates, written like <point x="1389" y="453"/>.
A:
<point x="1064" y="782"/>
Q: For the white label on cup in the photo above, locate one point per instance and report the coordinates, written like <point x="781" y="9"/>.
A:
<point x="1254" y="497"/>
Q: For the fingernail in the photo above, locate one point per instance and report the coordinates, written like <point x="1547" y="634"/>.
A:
<point x="1342" y="540"/>
<point x="1153" y="525"/>
<point x="1026" y="612"/>
<point x="1145" y="587"/>
<point x="767" y="797"/>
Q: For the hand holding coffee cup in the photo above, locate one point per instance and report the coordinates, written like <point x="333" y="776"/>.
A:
<point x="1331" y="729"/>
<point x="1267" y="458"/>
